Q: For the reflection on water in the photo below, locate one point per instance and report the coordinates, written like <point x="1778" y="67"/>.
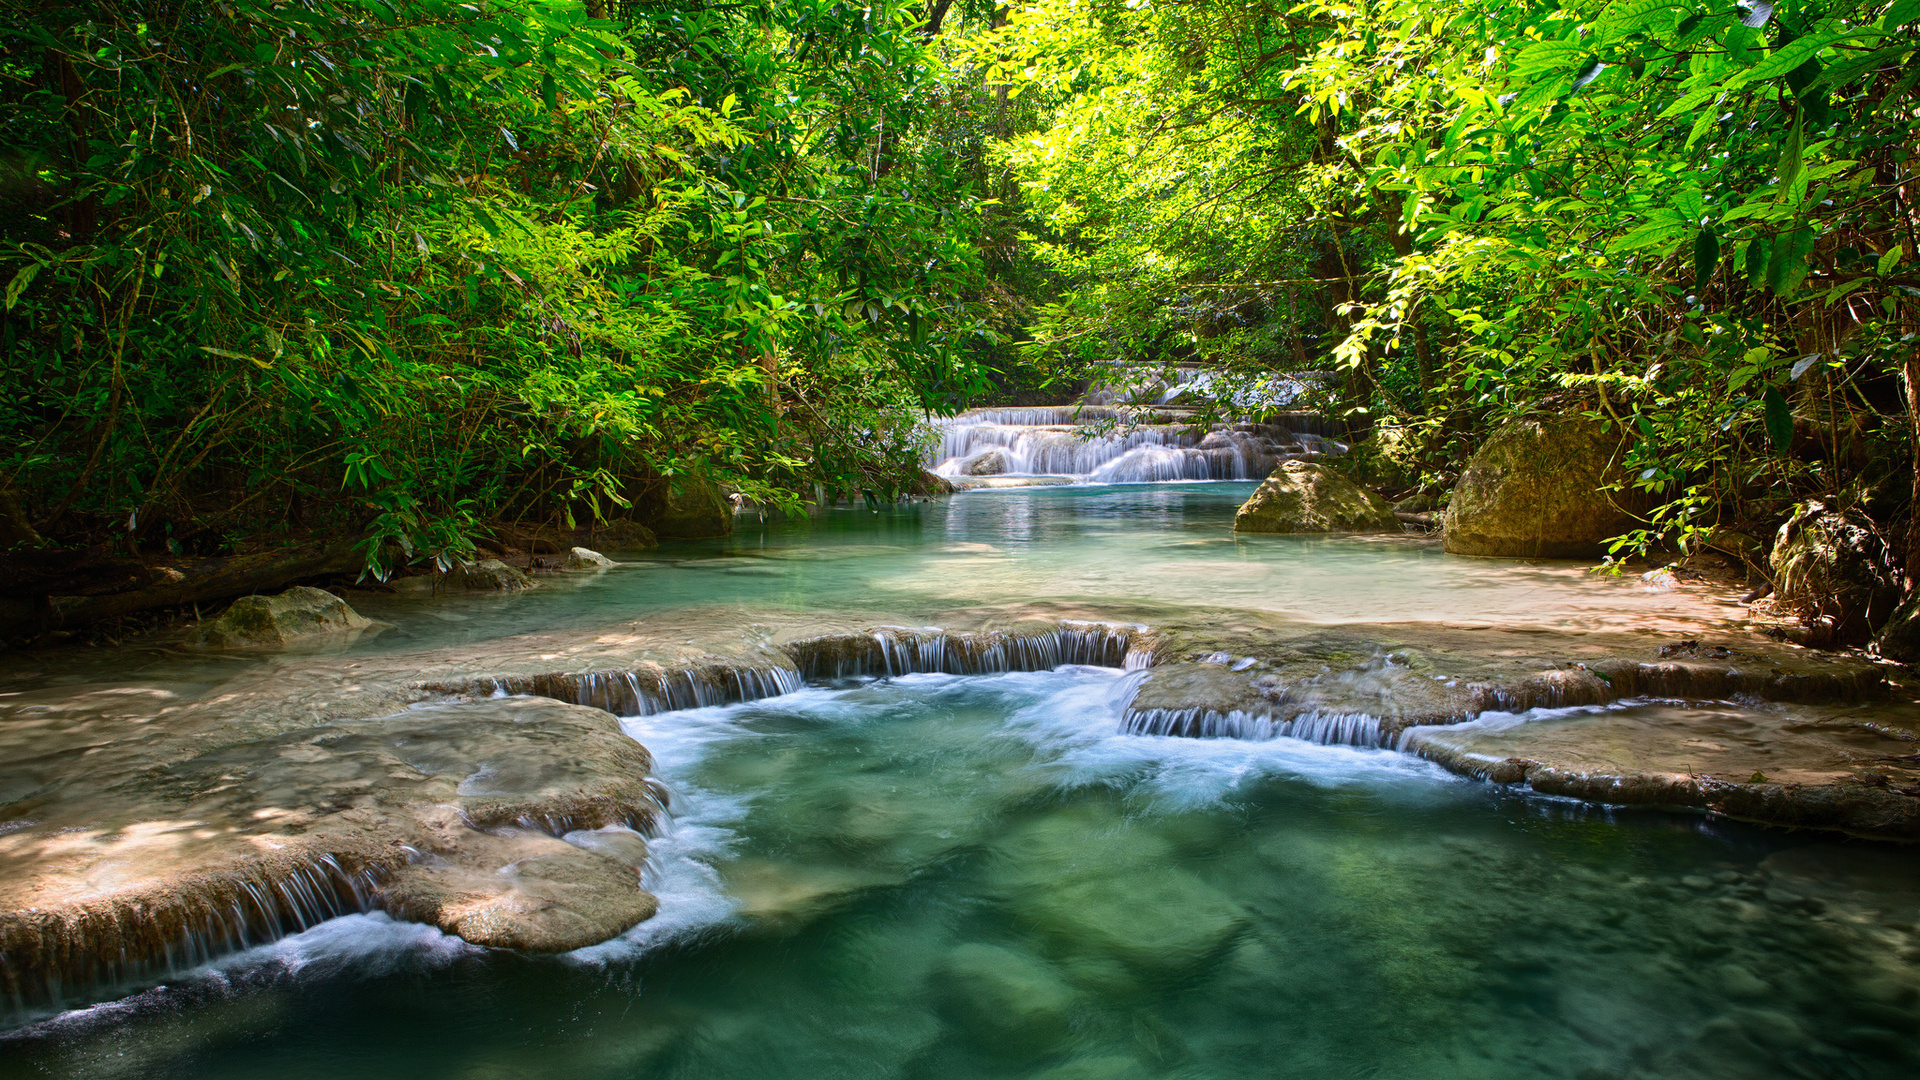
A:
<point x="946" y="877"/>
<point x="1169" y="543"/>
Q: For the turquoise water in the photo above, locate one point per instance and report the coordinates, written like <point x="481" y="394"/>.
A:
<point x="940" y="876"/>
<point x="1145" y="543"/>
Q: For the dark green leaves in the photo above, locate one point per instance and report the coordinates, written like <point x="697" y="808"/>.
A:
<point x="1787" y="265"/>
<point x="1779" y="421"/>
<point x="1706" y="256"/>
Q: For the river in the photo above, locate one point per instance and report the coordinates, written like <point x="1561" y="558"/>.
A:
<point x="983" y="876"/>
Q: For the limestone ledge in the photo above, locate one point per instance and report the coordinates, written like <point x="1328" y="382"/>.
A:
<point x="155" y="814"/>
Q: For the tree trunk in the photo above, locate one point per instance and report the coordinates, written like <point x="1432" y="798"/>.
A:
<point x="206" y="580"/>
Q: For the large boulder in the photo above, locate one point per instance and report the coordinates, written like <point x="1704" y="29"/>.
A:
<point x="695" y="509"/>
<point x="300" y="612"/>
<point x="1834" y="572"/>
<point x="1305" y="497"/>
<point x="1534" y="491"/>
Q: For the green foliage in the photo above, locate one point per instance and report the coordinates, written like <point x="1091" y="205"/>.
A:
<point x="412" y="266"/>
<point x="1685" y="219"/>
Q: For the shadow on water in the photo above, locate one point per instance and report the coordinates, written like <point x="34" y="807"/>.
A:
<point x="941" y="876"/>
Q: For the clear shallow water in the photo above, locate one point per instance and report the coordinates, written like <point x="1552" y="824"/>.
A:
<point x="1147" y="543"/>
<point x="978" y="877"/>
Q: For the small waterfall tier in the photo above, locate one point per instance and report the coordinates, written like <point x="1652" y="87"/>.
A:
<point x="1056" y="442"/>
<point x="1137" y="427"/>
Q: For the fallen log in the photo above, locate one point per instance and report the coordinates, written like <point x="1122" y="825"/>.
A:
<point x="203" y="580"/>
<point x="1424" y="520"/>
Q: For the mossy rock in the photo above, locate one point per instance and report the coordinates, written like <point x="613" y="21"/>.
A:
<point x="621" y="534"/>
<point x="1305" y="497"/>
<point x="1534" y="490"/>
<point x="693" y="509"/>
<point x="300" y="612"/>
<point x="1834" y="572"/>
<point x="1387" y="458"/>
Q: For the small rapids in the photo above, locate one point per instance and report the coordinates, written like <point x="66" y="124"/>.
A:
<point x="983" y="877"/>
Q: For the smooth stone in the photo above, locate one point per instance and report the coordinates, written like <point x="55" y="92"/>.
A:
<point x="1009" y="999"/>
<point x="587" y="559"/>
<point x="300" y="612"/>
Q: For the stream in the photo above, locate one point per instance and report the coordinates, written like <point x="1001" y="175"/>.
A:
<point x="983" y="876"/>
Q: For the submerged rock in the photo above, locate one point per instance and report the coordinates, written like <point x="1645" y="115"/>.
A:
<point x="491" y="575"/>
<point x="1834" y="573"/>
<point x="1535" y="491"/>
<point x="587" y="559"/>
<point x="296" y="614"/>
<point x="1162" y="922"/>
<point x="1010" y="1000"/>
<point x="1304" y="497"/>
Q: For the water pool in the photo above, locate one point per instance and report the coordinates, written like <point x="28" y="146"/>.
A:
<point x="946" y="876"/>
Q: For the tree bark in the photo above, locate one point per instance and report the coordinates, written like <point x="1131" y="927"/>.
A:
<point x="206" y="580"/>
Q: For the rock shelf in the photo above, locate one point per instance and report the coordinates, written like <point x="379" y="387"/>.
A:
<point x="156" y="814"/>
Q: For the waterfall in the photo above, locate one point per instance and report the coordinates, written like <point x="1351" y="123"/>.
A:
<point x="1144" y="445"/>
<point x="1327" y="729"/>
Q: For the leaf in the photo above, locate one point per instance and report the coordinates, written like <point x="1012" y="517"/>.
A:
<point x="1788" y="266"/>
<point x="1779" y="420"/>
<point x="1626" y="16"/>
<point x="1706" y="256"/>
<point x="1787" y="57"/>
<point x="1759" y="253"/>
<point x="549" y="94"/>
<point x="1756" y="16"/>
<point x="1546" y="56"/>
<point x="1791" y="158"/>
<point x="1886" y="264"/>
<point x="20" y="282"/>
<point x="1587" y="74"/>
<point x="1801" y="365"/>
<point x="1901" y="13"/>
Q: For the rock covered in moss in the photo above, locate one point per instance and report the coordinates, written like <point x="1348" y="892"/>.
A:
<point x="300" y="612"/>
<point x="695" y="509"/>
<point x="491" y="575"/>
<point x="1834" y="572"/>
<point x="1304" y="497"/>
<point x="1537" y="490"/>
<point x="622" y="534"/>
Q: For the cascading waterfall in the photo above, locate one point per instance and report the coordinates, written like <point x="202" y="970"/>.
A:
<point x="200" y="927"/>
<point x="1147" y="445"/>
<point x="1326" y="729"/>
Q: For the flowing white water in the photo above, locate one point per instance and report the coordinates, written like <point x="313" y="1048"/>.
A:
<point x="1132" y="444"/>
